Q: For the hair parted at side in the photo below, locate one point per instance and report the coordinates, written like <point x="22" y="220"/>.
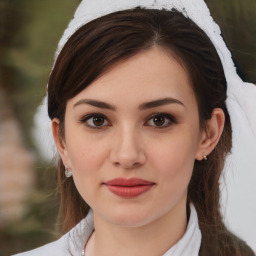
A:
<point x="98" y="45"/>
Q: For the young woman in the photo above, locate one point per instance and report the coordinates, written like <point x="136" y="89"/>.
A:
<point x="137" y="99"/>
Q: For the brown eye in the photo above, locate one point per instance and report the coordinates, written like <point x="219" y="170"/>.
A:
<point x="161" y="120"/>
<point x="95" y="121"/>
<point x="98" y="120"/>
<point x="158" y="120"/>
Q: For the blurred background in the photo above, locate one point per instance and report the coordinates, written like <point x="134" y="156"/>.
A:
<point x="29" y="33"/>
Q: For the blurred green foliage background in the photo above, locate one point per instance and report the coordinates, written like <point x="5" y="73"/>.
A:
<point x="29" y="32"/>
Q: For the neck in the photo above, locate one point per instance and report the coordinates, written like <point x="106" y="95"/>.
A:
<point x="111" y="239"/>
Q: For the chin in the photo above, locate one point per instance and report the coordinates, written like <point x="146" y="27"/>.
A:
<point x="130" y="221"/>
<point x="130" y="218"/>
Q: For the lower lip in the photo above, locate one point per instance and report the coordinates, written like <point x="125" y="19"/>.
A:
<point x="129" y="192"/>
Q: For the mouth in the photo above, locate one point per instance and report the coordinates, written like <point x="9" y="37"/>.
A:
<point x="129" y="188"/>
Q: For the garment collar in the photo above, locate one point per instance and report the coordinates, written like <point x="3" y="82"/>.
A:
<point x="188" y="245"/>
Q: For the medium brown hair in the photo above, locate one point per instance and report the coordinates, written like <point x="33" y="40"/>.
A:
<point x="95" y="47"/>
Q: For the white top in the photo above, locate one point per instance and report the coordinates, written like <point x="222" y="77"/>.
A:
<point x="72" y="243"/>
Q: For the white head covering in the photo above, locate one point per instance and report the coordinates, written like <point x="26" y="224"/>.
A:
<point x="240" y="168"/>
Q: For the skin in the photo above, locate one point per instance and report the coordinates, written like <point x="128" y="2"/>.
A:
<point x="130" y="144"/>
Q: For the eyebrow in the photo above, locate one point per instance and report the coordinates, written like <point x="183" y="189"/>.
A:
<point x="159" y="102"/>
<point x="95" y="103"/>
<point x="143" y="106"/>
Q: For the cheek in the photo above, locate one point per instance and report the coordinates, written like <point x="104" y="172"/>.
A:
<point x="87" y="159"/>
<point x="83" y="149"/>
<point x="174" y="159"/>
<point x="85" y="156"/>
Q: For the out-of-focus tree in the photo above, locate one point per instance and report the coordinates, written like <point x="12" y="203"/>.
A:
<point x="29" y="32"/>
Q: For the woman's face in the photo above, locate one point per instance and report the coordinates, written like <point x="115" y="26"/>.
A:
<point x="131" y="139"/>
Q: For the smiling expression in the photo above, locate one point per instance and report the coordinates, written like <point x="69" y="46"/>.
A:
<point x="131" y="139"/>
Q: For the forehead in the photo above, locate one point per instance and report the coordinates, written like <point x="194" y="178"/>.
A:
<point x="148" y="75"/>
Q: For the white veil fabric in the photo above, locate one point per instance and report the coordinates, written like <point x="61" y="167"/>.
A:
<point x="239" y="182"/>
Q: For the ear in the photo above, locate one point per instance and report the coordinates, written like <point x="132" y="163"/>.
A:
<point x="211" y="134"/>
<point x="60" y="142"/>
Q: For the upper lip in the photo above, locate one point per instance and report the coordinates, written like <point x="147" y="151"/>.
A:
<point x="128" y="182"/>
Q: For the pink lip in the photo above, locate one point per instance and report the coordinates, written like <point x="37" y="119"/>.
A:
<point x="129" y="188"/>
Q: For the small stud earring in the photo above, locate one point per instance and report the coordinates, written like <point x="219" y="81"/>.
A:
<point x="205" y="157"/>
<point x="68" y="172"/>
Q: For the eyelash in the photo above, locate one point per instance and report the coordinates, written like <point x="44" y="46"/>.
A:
<point x="86" y="118"/>
<point x="167" y="117"/>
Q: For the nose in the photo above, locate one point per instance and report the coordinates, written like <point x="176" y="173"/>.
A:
<point x="127" y="149"/>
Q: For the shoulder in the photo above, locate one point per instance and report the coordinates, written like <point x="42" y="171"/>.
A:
<point x="58" y="247"/>
<point x="72" y="243"/>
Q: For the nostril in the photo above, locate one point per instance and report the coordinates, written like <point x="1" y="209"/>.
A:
<point x="137" y="164"/>
<point x="116" y="164"/>
<point x="127" y="165"/>
<point x="126" y="156"/>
